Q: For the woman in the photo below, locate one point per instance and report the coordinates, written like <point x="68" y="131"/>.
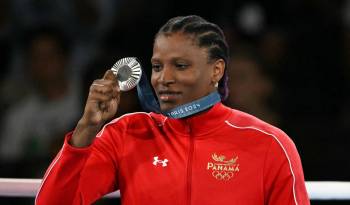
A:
<point x="210" y="155"/>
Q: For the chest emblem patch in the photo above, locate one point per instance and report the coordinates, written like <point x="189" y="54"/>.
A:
<point x="157" y="161"/>
<point x="222" y="169"/>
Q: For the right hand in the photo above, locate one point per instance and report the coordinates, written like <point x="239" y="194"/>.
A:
<point x="101" y="106"/>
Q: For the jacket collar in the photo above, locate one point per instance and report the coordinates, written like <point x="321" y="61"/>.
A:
<point x="201" y="123"/>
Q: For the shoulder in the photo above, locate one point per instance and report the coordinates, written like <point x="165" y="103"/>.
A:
<point x="135" y="117"/>
<point x="264" y="131"/>
<point x="279" y="146"/>
<point x="132" y="117"/>
<point x="129" y="122"/>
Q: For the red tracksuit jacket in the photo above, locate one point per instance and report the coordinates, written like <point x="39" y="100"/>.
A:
<point x="222" y="156"/>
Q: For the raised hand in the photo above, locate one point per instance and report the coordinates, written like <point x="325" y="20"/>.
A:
<point x="101" y="106"/>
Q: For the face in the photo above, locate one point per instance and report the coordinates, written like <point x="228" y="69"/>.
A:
<point x="181" y="71"/>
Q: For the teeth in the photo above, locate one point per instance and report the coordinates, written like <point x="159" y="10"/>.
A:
<point x="166" y="96"/>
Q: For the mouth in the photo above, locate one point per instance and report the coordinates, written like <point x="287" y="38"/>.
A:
<point x="167" y="96"/>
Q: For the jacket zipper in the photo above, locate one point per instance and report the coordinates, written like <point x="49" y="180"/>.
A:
<point x="189" y="167"/>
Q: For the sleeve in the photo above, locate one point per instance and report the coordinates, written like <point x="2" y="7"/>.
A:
<point x="283" y="174"/>
<point x="81" y="175"/>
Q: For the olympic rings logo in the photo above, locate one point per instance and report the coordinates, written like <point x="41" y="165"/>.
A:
<point x="222" y="175"/>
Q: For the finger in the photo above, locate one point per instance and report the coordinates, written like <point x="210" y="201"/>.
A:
<point x="109" y="75"/>
<point x="101" y="106"/>
<point x="100" y="97"/>
<point x="102" y="87"/>
<point x="116" y="92"/>
<point x="105" y="82"/>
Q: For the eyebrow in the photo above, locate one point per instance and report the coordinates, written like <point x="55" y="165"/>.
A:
<point x="154" y="59"/>
<point x="172" y="59"/>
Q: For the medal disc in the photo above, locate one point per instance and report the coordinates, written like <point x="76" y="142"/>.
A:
<point x="128" y="72"/>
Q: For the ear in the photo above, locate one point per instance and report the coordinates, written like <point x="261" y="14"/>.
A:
<point x="218" y="71"/>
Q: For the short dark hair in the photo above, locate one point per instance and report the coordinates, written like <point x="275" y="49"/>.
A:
<point x="206" y="34"/>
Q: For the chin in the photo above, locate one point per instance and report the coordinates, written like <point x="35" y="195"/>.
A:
<point x="167" y="106"/>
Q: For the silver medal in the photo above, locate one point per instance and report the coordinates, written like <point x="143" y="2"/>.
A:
<point x="128" y="72"/>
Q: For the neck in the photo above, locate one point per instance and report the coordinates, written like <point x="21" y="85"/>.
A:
<point x="194" y="107"/>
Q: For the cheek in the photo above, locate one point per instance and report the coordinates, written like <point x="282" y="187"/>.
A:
<point x="197" y="79"/>
<point x="189" y="77"/>
<point x="154" y="78"/>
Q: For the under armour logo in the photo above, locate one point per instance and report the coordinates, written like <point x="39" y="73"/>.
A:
<point x="157" y="161"/>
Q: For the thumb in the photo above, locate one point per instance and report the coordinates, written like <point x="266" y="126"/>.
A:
<point x="109" y="75"/>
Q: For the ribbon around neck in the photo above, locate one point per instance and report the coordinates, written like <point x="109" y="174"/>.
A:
<point x="149" y="103"/>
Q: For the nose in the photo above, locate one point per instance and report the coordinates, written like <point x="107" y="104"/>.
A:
<point x="166" y="76"/>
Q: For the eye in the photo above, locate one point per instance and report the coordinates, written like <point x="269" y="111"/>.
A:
<point x="156" y="67"/>
<point x="181" y="66"/>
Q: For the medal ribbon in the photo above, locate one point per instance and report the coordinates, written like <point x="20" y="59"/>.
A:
<point x="150" y="104"/>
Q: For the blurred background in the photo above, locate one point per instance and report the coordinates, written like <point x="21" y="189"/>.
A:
<point x="290" y="66"/>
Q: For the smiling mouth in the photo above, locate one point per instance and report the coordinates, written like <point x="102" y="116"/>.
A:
<point x="168" y="96"/>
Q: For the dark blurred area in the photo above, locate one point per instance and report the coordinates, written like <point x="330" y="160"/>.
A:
<point x="290" y="66"/>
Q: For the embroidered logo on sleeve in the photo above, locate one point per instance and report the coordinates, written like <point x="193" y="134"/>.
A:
<point x="157" y="161"/>
<point x="222" y="169"/>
